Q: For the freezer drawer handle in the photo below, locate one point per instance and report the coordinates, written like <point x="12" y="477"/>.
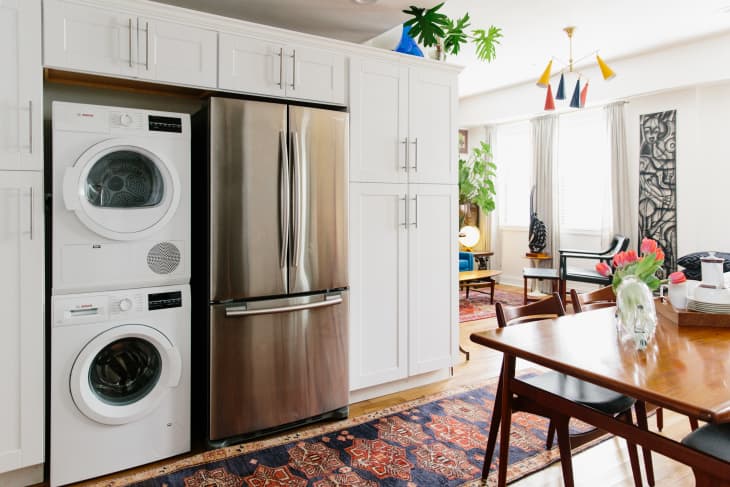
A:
<point x="234" y="311"/>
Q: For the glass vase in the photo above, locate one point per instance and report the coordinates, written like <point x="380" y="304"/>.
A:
<point x="635" y="312"/>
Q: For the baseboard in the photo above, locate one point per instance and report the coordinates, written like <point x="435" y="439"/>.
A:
<point x="22" y="477"/>
<point x="399" y="385"/>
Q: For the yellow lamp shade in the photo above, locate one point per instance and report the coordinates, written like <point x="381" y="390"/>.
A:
<point x="545" y="78"/>
<point x="605" y="70"/>
<point x="471" y="236"/>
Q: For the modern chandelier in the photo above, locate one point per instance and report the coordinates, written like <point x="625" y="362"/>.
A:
<point x="578" y="100"/>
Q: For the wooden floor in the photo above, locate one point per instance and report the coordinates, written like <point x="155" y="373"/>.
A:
<point x="604" y="465"/>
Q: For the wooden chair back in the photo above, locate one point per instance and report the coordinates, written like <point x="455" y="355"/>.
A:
<point x="600" y="298"/>
<point x="550" y="307"/>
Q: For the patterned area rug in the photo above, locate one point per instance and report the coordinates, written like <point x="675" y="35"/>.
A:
<point x="438" y="440"/>
<point x="477" y="307"/>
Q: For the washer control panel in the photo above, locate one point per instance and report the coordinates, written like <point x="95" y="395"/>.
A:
<point x="164" y="300"/>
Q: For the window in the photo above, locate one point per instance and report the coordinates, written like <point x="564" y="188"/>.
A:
<point x="584" y="178"/>
<point x="513" y="156"/>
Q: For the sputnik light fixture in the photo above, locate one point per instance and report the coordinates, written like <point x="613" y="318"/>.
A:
<point x="578" y="100"/>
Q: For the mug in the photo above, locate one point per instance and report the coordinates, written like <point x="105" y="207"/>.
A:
<point x="677" y="294"/>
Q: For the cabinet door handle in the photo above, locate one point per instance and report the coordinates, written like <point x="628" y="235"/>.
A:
<point x="415" y="220"/>
<point x="281" y="68"/>
<point x="30" y="126"/>
<point x="404" y="199"/>
<point x="147" y="46"/>
<point x="31" y="212"/>
<point x="130" y="42"/>
<point x="405" y="144"/>
<point x="294" y="69"/>
<point x="415" y="159"/>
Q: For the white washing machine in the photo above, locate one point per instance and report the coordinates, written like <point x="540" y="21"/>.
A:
<point x="121" y="198"/>
<point x="120" y="380"/>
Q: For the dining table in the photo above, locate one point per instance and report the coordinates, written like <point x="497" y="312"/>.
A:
<point x="685" y="369"/>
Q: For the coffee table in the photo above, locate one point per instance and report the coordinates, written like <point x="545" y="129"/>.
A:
<point x="478" y="279"/>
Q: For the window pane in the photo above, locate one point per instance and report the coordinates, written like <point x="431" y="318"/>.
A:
<point x="513" y="156"/>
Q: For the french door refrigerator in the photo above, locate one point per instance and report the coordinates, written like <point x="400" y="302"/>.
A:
<point x="277" y="292"/>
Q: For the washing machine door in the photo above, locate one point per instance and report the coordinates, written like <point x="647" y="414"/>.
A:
<point x="121" y="190"/>
<point x="122" y="374"/>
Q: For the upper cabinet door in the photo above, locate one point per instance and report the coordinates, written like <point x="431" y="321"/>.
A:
<point x="315" y="74"/>
<point x="379" y="118"/>
<point x="84" y="38"/>
<point x="177" y="53"/>
<point x="21" y="86"/>
<point x="251" y="65"/>
<point x="432" y="116"/>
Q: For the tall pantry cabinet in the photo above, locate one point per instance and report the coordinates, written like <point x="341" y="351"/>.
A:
<point x="403" y="219"/>
<point x="21" y="236"/>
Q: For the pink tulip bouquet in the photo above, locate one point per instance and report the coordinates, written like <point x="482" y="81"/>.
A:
<point x="629" y="263"/>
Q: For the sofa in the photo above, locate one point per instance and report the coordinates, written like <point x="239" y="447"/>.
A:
<point x="466" y="261"/>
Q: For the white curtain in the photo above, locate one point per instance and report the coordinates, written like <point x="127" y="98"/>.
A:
<point x="489" y="225"/>
<point x="544" y="177"/>
<point x="622" y="220"/>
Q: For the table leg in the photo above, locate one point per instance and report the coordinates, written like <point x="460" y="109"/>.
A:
<point x="524" y="291"/>
<point x="493" y="430"/>
<point x="508" y="373"/>
<point x="491" y="285"/>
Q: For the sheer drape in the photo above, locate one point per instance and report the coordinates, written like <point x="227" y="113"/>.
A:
<point x="544" y="177"/>
<point x="489" y="224"/>
<point x="622" y="220"/>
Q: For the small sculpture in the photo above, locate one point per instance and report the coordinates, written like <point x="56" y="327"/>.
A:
<point x="538" y="230"/>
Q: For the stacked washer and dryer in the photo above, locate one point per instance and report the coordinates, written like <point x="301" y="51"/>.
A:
<point x="120" y="299"/>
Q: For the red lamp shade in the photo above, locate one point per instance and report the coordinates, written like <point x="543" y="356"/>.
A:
<point x="583" y="95"/>
<point x="549" y="101"/>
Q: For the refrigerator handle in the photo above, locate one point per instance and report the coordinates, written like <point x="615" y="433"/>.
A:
<point x="284" y="200"/>
<point x="296" y="200"/>
<point x="235" y="311"/>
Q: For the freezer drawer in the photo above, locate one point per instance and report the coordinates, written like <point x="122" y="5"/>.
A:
<point x="276" y="362"/>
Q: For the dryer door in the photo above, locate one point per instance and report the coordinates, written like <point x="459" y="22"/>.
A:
<point x="122" y="374"/>
<point x="121" y="190"/>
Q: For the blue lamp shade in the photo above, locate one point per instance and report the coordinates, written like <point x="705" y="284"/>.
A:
<point x="560" y="95"/>
<point x="575" y="100"/>
<point x="407" y="45"/>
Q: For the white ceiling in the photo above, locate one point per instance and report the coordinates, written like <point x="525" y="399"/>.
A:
<point x="348" y="20"/>
<point x="533" y="29"/>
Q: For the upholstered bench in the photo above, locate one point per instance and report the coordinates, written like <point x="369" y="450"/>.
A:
<point x="540" y="273"/>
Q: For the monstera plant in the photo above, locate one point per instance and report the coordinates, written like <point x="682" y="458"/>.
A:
<point x="476" y="178"/>
<point x="433" y="28"/>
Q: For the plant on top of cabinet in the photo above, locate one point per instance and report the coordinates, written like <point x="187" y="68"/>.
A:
<point x="433" y="28"/>
<point x="476" y="178"/>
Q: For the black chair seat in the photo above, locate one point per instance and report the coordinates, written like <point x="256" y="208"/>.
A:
<point x="580" y="391"/>
<point x="712" y="439"/>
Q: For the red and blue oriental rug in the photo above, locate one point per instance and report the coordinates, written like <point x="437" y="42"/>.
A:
<point x="438" y="440"/>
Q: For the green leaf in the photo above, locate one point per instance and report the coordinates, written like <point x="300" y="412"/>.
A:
<point x="427" y="26"/>
<point x="476" y="183"/>
<point x="486" y="42"/>
<point x="455" y="35"/>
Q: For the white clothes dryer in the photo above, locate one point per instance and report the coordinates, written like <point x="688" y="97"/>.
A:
<point x="120" y="380"/>
<point x="121" y="198"/>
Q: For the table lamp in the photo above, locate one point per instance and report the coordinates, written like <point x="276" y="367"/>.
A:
<point x="470" y="237"/>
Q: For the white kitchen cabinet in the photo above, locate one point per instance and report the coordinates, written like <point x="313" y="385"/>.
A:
<point x="21" y="85"/>
<point x="80" y="37"/>
<point x="402" y="279"/>
<point x="259" y="66"/>
<point x="21" y="319"/>
<point x="403" y="121"/>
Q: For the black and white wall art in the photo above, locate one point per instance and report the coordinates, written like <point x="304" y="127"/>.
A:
<point x="658" y="184"/>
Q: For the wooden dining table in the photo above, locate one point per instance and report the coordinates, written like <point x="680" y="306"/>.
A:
<point x="685" y="369"/>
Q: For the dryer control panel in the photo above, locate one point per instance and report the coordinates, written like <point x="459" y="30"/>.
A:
<point x="164" y="300"/>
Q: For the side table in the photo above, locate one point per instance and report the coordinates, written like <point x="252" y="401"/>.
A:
<point x="482" y="259"/>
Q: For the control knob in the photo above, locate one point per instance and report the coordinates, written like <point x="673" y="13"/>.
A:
<point x="125" y="304"/>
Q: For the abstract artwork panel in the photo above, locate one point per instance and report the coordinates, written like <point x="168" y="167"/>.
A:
<point x="658" y="184"/>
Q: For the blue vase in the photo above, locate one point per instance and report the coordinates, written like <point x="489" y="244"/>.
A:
<point x="407" y="45"/>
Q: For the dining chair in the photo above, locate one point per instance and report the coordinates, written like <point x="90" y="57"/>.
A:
<point x="603" y="298"/>
<point x="618" y="244"/>
<point x="566" y="386"/>
<point x="713" y="440"/>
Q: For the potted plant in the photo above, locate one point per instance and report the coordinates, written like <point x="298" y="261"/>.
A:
<point x="432" y="28"/>
<point x="476" y="180"/>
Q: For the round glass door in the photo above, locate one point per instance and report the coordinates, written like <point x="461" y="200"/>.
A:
<point x="122" y="374"/>
<point x="122" y="191"/>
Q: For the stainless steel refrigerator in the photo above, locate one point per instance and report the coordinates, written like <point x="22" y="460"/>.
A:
<point x="277" y="280"/>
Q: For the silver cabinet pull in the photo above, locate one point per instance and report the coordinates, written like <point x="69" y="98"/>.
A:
<point x="415" y="159"/>
<point x="130" y="42"/>
<point x="30" y="126"/>
<point x="405" y="144"/>
<point x="415" y="220"/>
<point x="234" y="311"/>
<point x="296" y="199"/>
<point x="31" y="212"/>
<point x="147" y="46"/>
<point x="294" y="69"/>
<point x="281" y="68"/>
<point x="284" y="200"/>
<point x="404" y="199"/>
